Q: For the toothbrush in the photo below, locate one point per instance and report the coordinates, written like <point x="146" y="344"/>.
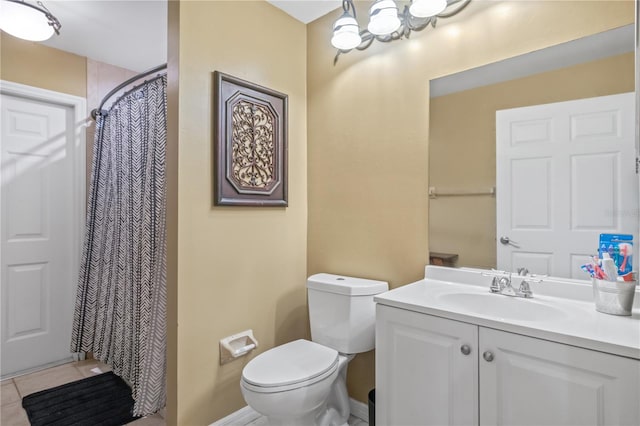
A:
<point x="626" y="251"/>
<point x="599" y="272"/>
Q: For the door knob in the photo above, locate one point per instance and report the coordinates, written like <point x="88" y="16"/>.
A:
<point x="488" y="356"/>
<point x="465" y="349"/>
<point x="507" y="241"/>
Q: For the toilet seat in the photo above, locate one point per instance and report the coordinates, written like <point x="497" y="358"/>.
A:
<point x="290" y="366"/>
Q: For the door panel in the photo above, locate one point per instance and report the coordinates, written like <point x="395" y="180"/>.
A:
<point x="536" y="382"/>
<point x="38" y="233"/>
<point x="422" y="377"/>
<point x="565" y="174"/>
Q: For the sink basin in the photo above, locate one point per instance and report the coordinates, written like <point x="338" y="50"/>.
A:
<point x="503" y="307"/>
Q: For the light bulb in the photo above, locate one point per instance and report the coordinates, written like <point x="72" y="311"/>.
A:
<point x="383" y="17"/>
<point x="24" y="22"/>
<point x="346" y="33"/>
<point x="427" y="8"/>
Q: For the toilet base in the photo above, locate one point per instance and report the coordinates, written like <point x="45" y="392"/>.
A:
<point x="333" y="411"/>
<point x="338" y="410"/>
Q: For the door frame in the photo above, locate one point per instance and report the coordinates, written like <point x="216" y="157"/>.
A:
<point x="80" y="117"/>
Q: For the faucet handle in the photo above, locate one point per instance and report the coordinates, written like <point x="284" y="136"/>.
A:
<point x="525" y="289"/>
<point x="495" y="286"/>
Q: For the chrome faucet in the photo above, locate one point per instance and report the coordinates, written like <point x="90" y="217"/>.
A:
<point x="502" y="285"/>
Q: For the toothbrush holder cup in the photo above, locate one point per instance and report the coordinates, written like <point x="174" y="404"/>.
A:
<point x="614" y="297"/>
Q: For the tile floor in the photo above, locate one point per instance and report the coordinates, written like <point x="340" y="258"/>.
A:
<point x="12" y="391"/>
<point x="250" y="417"/>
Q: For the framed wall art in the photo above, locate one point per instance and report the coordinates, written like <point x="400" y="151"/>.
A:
<point x="250" y="143"/>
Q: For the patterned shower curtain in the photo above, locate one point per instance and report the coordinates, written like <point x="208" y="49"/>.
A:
<point x="120" y="313"/>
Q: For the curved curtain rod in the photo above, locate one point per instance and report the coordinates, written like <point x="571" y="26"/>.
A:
<point x="99" y="111"/>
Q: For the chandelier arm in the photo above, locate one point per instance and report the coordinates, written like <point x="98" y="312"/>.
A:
<point x="347" y="6"/>
<point x="367" y="39"/>
<point x="418" y="24"/>
<point x="456" y="10"/>
<point x="53" y="21"/>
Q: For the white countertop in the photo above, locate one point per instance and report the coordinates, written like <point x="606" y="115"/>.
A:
<point x="579" y="324"/>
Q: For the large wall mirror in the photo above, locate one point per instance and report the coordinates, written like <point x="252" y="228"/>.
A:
<point x="562" y="123"/>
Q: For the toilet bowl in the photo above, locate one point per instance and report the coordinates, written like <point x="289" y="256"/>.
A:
<point x="291" y="384"/>
<point x="303" y="383"/>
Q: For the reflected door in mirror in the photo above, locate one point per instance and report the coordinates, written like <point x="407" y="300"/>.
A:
<point x="565" y="174"/>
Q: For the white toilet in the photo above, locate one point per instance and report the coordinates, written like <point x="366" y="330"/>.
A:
<point x="304" y="383"/>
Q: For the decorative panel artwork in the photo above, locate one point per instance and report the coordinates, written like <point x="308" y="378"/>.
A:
<point x="250" y="144"/>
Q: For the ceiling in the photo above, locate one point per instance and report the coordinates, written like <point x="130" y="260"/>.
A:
<point x="133" y="34"/>
<point x="306" y="10"/>
<point x="129" y="34"/>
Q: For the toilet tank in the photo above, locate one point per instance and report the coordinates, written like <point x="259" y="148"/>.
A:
<point x="342" y="313"/>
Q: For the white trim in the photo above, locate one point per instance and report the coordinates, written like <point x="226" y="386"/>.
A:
<point x="38" y="368"/>
<point x="80" y="121"/>
<point x="359" y="410"/>
<point x="246" y="414"/>
<point x="243" y="416"/>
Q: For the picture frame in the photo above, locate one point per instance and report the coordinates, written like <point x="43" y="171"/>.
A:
<point x="250" y="143"/>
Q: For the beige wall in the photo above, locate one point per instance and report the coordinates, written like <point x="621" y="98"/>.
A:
<point x="238" y="267"/>
<point x="37" y="65"/>
<point x="462" y="147"/>
<point x="368" y="131"/>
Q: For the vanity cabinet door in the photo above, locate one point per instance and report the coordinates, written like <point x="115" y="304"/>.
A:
<point x="528" y="381"/>
<point x="424" y="375"/>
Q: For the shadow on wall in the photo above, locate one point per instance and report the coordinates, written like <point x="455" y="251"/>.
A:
<point x="292" y="324"/>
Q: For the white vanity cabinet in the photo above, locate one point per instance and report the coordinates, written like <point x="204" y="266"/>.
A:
<point x="422" y="375"/>
<point x="436" y="371"/>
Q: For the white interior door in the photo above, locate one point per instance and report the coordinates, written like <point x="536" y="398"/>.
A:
<point x="40" y="233"/>
<point x="565" y="173"/>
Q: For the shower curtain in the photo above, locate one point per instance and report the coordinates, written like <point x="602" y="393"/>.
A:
<point x="120" y="313"/>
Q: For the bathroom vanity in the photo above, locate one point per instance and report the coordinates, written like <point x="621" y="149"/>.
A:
<point x="449" y="352"/>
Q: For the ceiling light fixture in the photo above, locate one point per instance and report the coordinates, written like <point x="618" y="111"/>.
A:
<point x="346" y="33"/>
<point x="387" y="24"/>
<point x="28" y="21"/>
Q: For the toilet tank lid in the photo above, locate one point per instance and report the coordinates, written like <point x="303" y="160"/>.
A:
<point x="341" y="284"/>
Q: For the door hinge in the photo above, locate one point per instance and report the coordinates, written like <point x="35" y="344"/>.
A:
<point x="637" y="164"/>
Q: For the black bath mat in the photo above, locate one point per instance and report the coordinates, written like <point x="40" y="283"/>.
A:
<point x="103" y="400"/>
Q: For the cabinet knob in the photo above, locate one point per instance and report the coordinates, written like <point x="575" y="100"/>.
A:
<point x="488" y="356"/>
<point x="465" y="349"/>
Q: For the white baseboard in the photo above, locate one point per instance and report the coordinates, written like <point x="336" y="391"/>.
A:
<point x="243" y="416"/>
<point x="246" y="414"/>
<point x="359" y="409"/>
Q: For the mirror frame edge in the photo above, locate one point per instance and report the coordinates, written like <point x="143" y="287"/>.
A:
<point x="637" y="88"/>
